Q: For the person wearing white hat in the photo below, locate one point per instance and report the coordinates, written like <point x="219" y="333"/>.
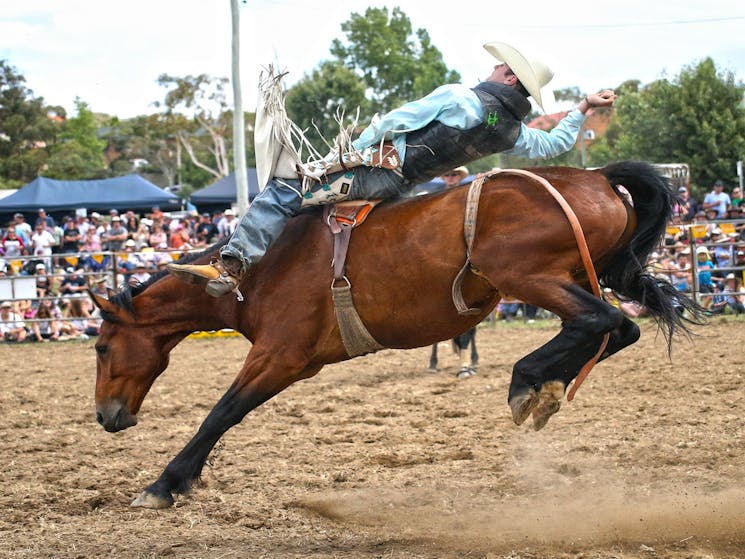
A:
<point x="448" y="128"/>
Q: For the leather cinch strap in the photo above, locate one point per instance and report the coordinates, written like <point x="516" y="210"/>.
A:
<point x="355" y="336"/>
<point x="469" y="231"/>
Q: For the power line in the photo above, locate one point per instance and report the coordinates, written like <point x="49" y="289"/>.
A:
<point x="630" y="24"/>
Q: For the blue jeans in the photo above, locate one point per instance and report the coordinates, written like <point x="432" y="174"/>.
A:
<point x="278" y="202"/>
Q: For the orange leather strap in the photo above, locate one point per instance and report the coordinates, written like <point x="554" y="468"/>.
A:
<point x="586" y="261"/>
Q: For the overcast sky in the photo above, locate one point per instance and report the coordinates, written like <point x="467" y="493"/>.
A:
<point x="110" y="53"/>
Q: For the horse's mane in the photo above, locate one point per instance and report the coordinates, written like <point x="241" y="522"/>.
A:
<point x="123" y="298"/>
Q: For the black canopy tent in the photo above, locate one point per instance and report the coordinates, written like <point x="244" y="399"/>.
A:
<point x="130" y="192"/>
<point x="222" y="193"/>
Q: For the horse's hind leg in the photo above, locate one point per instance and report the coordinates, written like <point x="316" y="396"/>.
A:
<point x="552" y="392"/>
<point x="474" y="353"/>
<point x="433" y="359"/>
<point x="540" y="378"/>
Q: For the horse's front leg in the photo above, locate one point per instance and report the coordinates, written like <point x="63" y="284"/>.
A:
<point x="263" y="375"/>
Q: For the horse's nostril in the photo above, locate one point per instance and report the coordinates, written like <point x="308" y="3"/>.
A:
<point x="99" y="417"/>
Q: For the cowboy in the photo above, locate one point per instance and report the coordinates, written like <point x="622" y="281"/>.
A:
<point x="450" y="127"/>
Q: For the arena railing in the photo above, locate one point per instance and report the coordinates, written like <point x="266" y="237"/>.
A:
<point x="17" y="284"/>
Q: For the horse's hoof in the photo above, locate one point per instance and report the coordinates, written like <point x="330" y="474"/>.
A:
<point x="549" y="402"/>
<point x="522" y="404"/>
<point x="149" y="501"/>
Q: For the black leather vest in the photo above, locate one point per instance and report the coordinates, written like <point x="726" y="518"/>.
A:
<point x="437" y="148"/>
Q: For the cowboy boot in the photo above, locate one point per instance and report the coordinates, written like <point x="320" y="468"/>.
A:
<point x="221" y="275"/>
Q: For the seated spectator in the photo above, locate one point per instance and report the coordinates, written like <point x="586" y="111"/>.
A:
<point x="227" y="225"/>
<point x="711" y="214"/>
<point x="721" y="252"/>
<point x="73" y="283"/>
<point x="705" y="279"/>
<point x="158" y="235"/>
<point x="12" y="327"/>
<point x="732" y="296"/>
<point x="740" y="258"/>
<point x="161" y="257"/>
<point x="25" y="308"/>
<point x="507" y="308"/>
<point x="131" y="259"/>
<point x="100" y="287"/>
<point x="47" y="326"/>
<point x="91" y="241"/>
<point x="682" y="278"/>
<point x="76" y="319"/>
<point x="131" y="223"/>
<point x="141" y="236"/>
<point x="180" y="239"/>
<point x="206" y="231"/>
<point x="736" y="198"/>
<point x="140" y="275"/>
<point x="44" y="285"/>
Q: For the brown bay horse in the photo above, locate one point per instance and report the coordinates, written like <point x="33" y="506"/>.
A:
<point x="401" y="264"/>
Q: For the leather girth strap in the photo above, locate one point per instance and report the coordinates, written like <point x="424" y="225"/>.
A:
<point x="341" y="219"/>
<point x="469" y="231"/>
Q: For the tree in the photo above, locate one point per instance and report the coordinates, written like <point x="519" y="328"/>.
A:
<point x="396" y="67"/>
<point x="315" y="100"/>
<point x="78" y="155"/>
<point x="204" y="98"/>
<point x="696" y="118"/>
<point x="26" y="129"/>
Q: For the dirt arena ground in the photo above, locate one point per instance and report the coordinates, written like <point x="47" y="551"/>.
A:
<point x="379" y="458"/>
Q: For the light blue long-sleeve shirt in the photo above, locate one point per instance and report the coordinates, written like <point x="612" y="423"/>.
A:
<point x="458" y="106"/>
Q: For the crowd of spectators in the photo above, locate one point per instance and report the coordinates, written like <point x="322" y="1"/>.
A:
<point x="706" y="238"/>
<point x="95" y="251"/>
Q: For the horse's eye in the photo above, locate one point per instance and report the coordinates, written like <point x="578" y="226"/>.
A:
<point x="102" y="349"/>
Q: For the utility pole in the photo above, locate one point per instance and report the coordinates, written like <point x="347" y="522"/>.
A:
<point x="239" y="124"/>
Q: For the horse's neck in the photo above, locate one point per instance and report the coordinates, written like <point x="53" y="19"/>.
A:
<point x="174" y="307"/>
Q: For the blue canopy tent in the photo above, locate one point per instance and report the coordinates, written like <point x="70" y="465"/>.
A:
<point x="130" y="192"/>
<point x="221" y="194"/>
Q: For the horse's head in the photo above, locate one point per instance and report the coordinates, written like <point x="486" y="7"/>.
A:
<point x="128" y="360"/>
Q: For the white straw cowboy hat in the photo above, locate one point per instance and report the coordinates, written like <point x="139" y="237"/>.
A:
<point x="533" y="74"/>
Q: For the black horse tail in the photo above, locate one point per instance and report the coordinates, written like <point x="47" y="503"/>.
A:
<point x="653" y="200"/>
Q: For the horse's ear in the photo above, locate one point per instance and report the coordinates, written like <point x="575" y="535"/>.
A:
<point x="103" y="303"/>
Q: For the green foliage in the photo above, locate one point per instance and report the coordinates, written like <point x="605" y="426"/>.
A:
<point x="317" y="98"/>
<point x="697" y="118"/>
<point x="72" y="160"/>
<point x="25" y="129"/>
<point x="396" y="67"/>
<point x="79" y="153"/>
<point x="83" y="129"/>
